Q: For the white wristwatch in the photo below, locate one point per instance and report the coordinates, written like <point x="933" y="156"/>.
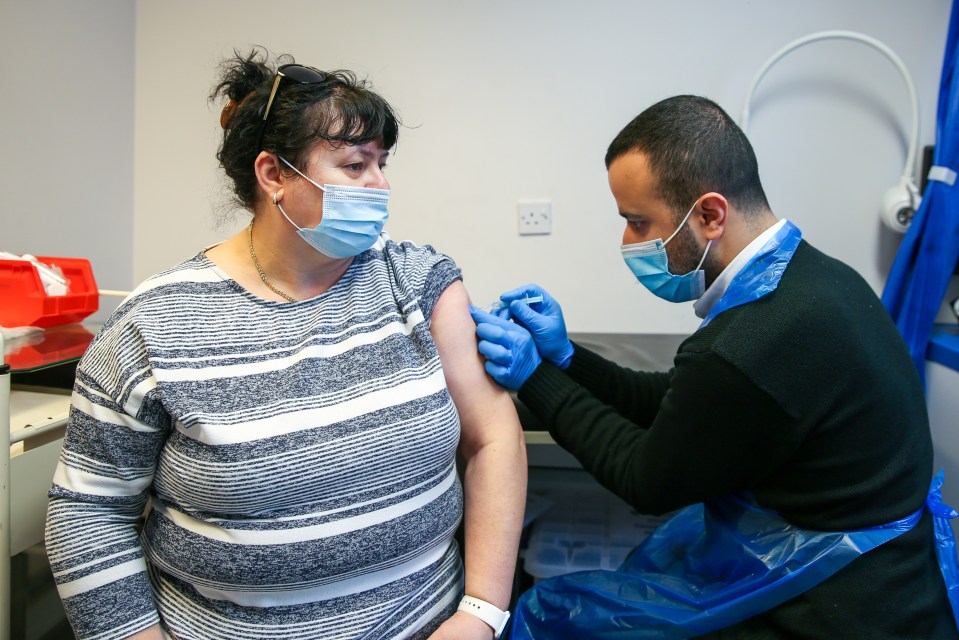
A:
<point x="488" y="613"/>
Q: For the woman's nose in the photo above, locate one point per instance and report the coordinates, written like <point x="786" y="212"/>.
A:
<point x="377" y="180"/>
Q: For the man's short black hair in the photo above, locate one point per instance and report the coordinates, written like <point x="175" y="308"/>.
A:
<point x="693" y="147"/>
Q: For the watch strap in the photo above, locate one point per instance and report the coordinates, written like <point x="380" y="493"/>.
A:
<point x="488" y="613"/>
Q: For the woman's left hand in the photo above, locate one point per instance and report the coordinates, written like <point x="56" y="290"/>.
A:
<point x="463" y="626"/>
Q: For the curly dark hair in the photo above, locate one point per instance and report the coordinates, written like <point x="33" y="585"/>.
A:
<point x="341" y="109"/>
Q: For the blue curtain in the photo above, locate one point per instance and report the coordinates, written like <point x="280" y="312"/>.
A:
<point x="929" y="251"/>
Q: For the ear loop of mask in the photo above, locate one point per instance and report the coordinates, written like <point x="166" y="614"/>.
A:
<point x="683" y="224"/>
<point x="302" y="175"/>
<point x="278" y="205"/>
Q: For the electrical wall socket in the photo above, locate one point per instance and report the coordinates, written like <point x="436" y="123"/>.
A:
<point x="535" y="218"/>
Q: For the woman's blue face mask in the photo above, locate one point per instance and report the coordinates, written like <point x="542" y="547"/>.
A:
<point x="353" y="218"/>
<point x="650" y="264"/>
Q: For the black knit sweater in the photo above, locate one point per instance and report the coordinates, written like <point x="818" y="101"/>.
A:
<point x="808" y="399"/>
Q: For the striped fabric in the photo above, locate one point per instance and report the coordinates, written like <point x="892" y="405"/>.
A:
<point x="299" y="459"/>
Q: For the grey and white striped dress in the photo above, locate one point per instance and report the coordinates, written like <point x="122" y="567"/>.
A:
<point x="299" y="459"/>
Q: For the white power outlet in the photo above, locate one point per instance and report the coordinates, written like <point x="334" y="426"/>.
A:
<point x="535" y="218"/>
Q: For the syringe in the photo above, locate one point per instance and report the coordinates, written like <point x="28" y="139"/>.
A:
<point x="499" y="304"/>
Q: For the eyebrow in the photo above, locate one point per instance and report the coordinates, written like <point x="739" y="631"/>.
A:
<point x="629" y="215"/>
<point x="366" y="151"/>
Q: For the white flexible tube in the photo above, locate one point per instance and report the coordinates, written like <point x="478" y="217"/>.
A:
<point x="907" y="171"/>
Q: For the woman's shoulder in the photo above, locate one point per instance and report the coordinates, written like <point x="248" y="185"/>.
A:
<point x="195" y="276"/>
<point x="415" y="271"/>
<point x="408" y="249"/>
<point x="191" y="273"/>
<point x="409" y="258"/>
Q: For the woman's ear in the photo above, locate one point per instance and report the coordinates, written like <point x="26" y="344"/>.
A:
<point x="268" y="175"/>
<point x="713" y="210"/>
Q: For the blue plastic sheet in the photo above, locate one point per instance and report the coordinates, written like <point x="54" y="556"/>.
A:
<point x="928" y="254"/>
<point x="708" y="567"/>
<point x="945" y="541"/>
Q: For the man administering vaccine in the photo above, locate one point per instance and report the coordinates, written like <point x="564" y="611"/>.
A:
<point x="790" y="437"/>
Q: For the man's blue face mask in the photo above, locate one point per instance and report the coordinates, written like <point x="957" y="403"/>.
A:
<point x="650" y="264"/>
<point x="353" y="218"/>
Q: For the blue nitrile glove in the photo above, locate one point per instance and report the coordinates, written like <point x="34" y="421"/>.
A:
<point x="511" y="356"/>
<point x="544" y="320"/>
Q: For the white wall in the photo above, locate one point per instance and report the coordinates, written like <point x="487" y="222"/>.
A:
<point x="511" y="100"/>
<point x="66" y="117"/>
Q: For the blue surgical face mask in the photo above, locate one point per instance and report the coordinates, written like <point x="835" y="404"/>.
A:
<point x="353" y="218"/>
<point x="649" y="263"/>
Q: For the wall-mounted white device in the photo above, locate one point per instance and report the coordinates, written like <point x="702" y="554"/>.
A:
<point x="900" y="202"/>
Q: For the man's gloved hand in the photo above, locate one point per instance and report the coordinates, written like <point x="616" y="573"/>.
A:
<point x="511" y="356"/>
<point x="544" y="320"/>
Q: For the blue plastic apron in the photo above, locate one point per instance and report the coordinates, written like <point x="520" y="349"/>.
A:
<point x="711" y="566"/>
<point x="762" y="273"/>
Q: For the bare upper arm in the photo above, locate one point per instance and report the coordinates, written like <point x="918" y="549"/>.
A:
<point x="485" y="408"/>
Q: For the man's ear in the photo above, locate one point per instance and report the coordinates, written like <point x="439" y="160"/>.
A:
<point x="268" y="175"/>
<point x="712" y="211"/>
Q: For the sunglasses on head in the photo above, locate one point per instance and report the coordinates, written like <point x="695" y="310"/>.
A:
<point x="298" y="73"/>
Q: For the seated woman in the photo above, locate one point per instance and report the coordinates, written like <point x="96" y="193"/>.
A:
<point x="290" y="402"/>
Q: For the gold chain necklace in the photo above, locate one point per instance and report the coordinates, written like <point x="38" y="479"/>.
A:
<point x="263" y="277"/>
